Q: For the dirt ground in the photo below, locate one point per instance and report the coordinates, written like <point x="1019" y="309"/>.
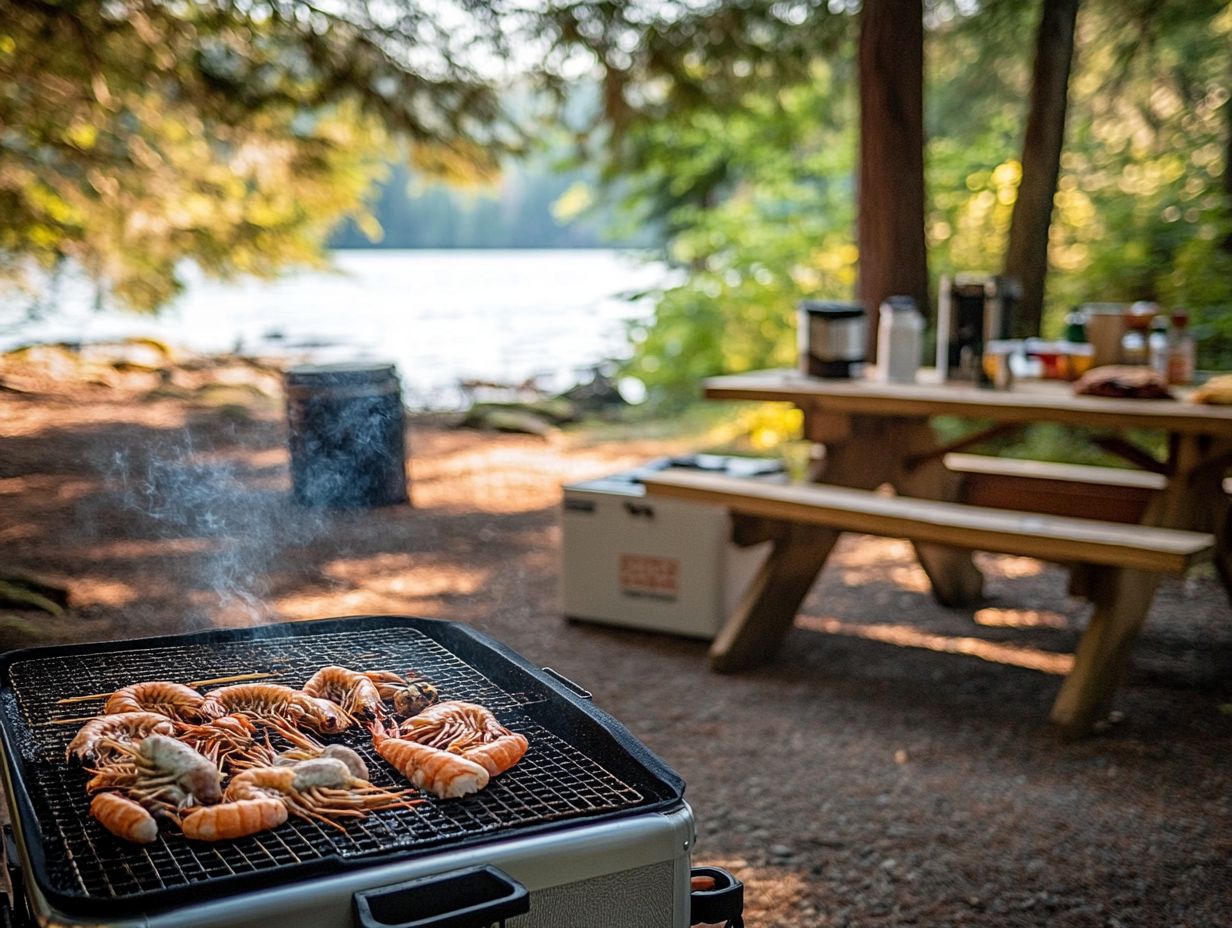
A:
<point x="892" y="767"/>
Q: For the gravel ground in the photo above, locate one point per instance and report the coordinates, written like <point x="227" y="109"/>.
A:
<point x="891" y="767"/>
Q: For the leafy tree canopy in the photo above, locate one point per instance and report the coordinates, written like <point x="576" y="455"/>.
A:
<point x="761" y="205"/>
<point x="137" y="133"/>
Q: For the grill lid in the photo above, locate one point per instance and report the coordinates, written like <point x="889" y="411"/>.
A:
<point x="582" y="764"/>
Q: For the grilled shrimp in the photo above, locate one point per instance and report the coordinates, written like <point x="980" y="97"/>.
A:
<point x="159" y="772"/>
<point x="445" y="722"/>
<point x="322" y="789"/>
<point x="276" y="703"/>
<point x="224" y="741"/>
<point x="235" y="819"/>
<point x="499" y="755"/>
<point x="124" y="818"/>
<point x="173" y="700"/>
<point x="91" y="742"/>
<point x="439" y="772"/>
<point x="409" y="696"/>
<point x="469" y="730"/>
<point x="351" y="690"/>
<point x="354" y="763"/>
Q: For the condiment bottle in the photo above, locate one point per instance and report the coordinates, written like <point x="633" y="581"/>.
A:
<point x="1079" y="353"/>
<point x="899" y="340"/>
<point x="1133" y="342"/>
<point x="1157" y="345"/>
<point x="1181" y="350"/>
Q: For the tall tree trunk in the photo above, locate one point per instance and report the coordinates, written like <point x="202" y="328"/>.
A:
<point x="1026" y="258"/>
<point x="890" y="223"/>
<point x="1227" y="177"/>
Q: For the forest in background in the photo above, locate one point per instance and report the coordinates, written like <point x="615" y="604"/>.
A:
<point x="541" y="201"/>
<point x="141" y="134"/>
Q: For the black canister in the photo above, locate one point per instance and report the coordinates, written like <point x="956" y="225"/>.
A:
<point x="347" y="434"/>
<point x="832" y="338"/>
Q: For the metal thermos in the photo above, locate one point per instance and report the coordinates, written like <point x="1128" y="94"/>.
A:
<point x="833" y="338"/>
<point x="900" y="335"/>
<point x="972" y="309"/>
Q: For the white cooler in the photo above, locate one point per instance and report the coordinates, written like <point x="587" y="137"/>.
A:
<point x="662" y="565"/>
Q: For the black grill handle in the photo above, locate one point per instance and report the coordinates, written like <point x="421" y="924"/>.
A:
<point x="723" y="904"/>
<point x="474" y="897"/>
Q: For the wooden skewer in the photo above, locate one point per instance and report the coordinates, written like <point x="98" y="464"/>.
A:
<point x="232" y="679"/>
<point x="78" y="721"/>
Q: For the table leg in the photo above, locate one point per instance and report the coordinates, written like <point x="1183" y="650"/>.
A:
<point x="1223" y="545"/>
<point x="754" y="632"/>
<point x="1122" y="599"/>
<point x="955" y="579"/>
<point x="1194" y="498"/>
<point x="866" y="452"/>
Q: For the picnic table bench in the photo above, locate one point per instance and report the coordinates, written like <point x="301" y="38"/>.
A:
<point x="1171" y="512"/>
<point x="1119" y="558"/>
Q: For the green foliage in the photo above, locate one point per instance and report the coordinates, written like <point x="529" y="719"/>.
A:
<point x="780" y="228"/>
<point x="137" y="133"/>
<point x="756" y="185"/>
<point x="535" y="204"/>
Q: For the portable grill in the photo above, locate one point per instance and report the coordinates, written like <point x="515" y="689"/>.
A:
<point x="589" y="829"/>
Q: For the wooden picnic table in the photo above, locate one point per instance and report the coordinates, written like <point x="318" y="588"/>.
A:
<point x="875" y="434"/>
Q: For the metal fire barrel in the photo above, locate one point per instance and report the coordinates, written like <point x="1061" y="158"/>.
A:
<point x="346" y="434"/>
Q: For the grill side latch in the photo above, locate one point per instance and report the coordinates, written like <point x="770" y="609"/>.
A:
<point x="473" y="897"/>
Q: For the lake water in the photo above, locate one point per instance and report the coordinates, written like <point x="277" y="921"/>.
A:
<point x="441" y="316"/>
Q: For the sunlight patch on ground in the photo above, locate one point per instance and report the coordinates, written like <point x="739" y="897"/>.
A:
<point x="35" y="420"/>
<point x="404" y="575"/>
<point x="272" y="457"/>
<point x="910" y="637"/>
<point x="866" y="559"/>
<point x="90" y="591"/>
<point x="910" y="577"/>
<point x="1004" y="565"/>
<point x="768" y="891"/>
<point x="61" y="488"/>
<point x="505" y="476"/>
<point x="11" y="533"/>
<point x="326" y="603"/>
<point x="152" y="547"/>
<point x="1020" y="618"/>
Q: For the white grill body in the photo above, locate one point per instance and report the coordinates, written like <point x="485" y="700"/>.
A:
<point x="628" y="873"/>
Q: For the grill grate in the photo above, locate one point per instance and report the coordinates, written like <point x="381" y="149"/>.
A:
<point x="554" y="781"/>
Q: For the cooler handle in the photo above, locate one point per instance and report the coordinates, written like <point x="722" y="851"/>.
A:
<point x="720" y="902"/>
<point x="473" y="897"/>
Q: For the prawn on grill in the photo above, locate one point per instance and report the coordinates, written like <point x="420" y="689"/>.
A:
<point x="98" y="740"/>
<point x="174" y="700"/>
<point x="322" y="789"/>
<point x="409" y="695"/>
<point x="160" y="773"/>
<point x="499" y="755"/>
<point x="350" y="689"/>
<point x="446" y="775"/>
<point x="469" y="730"/>
<point x="348" y="756"/>
<point x="235" y="819"/>
<point x="124" y="818"/>
<point x="230" y="740"/>
<point x="281" y="706"/>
